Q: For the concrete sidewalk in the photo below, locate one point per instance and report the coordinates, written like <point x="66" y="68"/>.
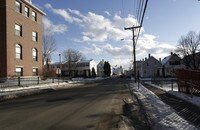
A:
<point x="160" y="115"/>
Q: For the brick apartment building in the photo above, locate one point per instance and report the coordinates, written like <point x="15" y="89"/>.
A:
<point x="20" y="38"/>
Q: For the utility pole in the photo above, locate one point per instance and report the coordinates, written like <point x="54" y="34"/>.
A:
<point x="60" y="65"/>
<point x="134" y="47"/>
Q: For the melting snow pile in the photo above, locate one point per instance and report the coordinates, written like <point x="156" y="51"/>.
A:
<point x="160" y="115"/>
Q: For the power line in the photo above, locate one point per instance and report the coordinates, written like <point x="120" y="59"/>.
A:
<point x="142" y="6"/>
<point x="123" y="11"/>
<point x="145" y="7"/>
<point x="140" y="11"/>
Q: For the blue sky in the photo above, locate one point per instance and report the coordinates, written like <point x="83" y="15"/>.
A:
<point x="95" y="27"/>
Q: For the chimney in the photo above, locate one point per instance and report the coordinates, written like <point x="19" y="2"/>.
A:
<point x="149" y="55"/>
<point x="160" y="59"/>
<point x="171" y="53"/>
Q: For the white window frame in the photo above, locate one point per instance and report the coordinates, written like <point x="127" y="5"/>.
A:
<point x="34" y="54"/>
<point x="27" y="10"/>
<point x="34" y="16"/>
<point x="18" y="30"/>
<point x="35" y="71"/>
<point x="18" y="51"/>
<point x="18" y="6"/>
<point x="19" y="71"/>
<point x="34" y="36"/>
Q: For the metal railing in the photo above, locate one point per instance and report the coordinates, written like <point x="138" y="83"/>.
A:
<point x="171" y="83"/>
<point x="24" y="81"/>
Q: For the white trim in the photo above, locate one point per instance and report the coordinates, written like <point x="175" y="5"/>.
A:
<point x="33" y="6"/>
<point x="19" y="66"/>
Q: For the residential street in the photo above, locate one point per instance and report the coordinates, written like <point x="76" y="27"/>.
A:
<point x="95" y="105"/>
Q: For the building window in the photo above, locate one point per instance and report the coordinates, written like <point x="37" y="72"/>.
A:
<point x="18" y="30"/>
<point x="35" y="71"/>
<point x="34" y="52"/>
<point x="18" y="6"/>
<point x="34" y="16"/>
<point x="34" y="36"/>
<point x="19" y="71"/>
<point x="26" y="11"/>
<point x="18" y="50"/>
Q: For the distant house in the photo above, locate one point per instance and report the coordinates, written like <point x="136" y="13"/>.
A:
<point x="84" y="68"/>
<point x="80" y="68"/>
<point x="170" y="64"/>
<point x="150" y="67"/>
<point x="100" y="69"/>
<point x="117" y="70"/>
<point x="56" y="67"/>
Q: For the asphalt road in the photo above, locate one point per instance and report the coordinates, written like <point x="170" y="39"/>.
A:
<point x="96" y="105"/>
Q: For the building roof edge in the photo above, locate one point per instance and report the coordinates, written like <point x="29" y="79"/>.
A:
<point x="33" y="6"/>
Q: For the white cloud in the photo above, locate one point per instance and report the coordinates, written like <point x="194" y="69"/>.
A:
<point x="62" y="13"/>
<point x="108" y="13"/>
<point x="149" y="44"/>
<point x="52" y="28"/>
<point x="124" y="62"/>
<point x="99" y="29"/>
<point x="124" y="50"/>
<point x="96" y="27"/>
<point x="94" y="49"/>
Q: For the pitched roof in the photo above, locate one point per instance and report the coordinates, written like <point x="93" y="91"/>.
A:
<point x="149" y="59"/>
<point x="166" y="59"/>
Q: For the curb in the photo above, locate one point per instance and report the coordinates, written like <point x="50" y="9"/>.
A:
<point x="33" y="91"/>
<point x="14" y="95"/>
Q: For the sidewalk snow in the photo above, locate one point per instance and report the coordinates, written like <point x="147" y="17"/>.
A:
<point x="161" y="115"/>
<point x="14" y="92"/>
<point x="195" y="100"/>
<point x="32" y="87"/>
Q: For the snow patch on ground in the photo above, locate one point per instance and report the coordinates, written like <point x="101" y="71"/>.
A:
<point x="165" y="87"/>
<point x="195" y="100"/>
<point x="74" y="81"/>
<point x="161" y="115"/>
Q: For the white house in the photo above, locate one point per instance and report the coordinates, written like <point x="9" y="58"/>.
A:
<point x="78" y="69"/>
<point x="117" y="70"/>
<point x="100" y="70"/>
<point x="84" y="68"/>
<point x="150" y="67"/>
<point x="170" y="64"/>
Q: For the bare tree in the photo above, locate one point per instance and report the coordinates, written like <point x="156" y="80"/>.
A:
<point x="188" y="47"/>
<point x="48" y="45"/>
<point x="72" y="56"/>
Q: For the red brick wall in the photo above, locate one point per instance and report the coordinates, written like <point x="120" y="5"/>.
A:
<point x="28" y="26"/>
